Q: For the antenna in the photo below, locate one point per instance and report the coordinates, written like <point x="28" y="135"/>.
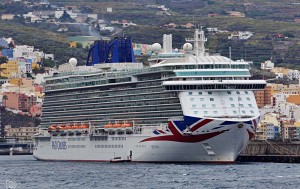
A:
<point x="230" y="56"/>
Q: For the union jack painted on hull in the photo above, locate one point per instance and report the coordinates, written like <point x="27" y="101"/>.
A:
<point x="187" y="130"/>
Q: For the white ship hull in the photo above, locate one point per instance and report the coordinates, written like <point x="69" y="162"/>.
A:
<point x="215" y="145"/>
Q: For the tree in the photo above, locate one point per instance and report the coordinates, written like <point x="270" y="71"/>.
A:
<point x="66" y="17"/>
<point x="3" y="59"/>
<point x="4" y="99"/>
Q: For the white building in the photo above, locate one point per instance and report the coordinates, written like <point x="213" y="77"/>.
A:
<point x="22" y="51"/>
<point x="267" y="65"/>
<point x="293" y="74"/>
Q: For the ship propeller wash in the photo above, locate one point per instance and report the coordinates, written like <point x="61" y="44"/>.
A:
<point x="186" y="106"/>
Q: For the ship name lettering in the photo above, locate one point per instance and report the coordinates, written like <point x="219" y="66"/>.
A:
<point x="57" y="145"/>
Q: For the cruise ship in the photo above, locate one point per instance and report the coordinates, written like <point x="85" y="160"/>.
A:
<point x="185" y="106"/>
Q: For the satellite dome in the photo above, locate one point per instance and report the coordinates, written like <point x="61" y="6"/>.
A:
<point x="156" y="47"/>
<point x="187" y="47"/>
<point x="73" y="61"/>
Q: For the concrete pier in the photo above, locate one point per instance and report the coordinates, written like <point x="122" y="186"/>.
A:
<point x="268" y="151"/>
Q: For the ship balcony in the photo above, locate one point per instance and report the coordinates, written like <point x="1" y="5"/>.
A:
<point x="214" y="85"/>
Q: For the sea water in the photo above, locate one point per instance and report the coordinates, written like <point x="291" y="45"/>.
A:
<point x="26" y="172"/>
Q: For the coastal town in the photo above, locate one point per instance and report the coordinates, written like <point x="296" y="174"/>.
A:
<point x="23" y="67"/>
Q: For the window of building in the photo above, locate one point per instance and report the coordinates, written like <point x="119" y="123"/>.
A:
<point x="205" y="112"/>
<point x="203" y="105"/>
<point x="215" y="112"/>
<point x="213" y="105"/>
<point x="243" y="112"/>
<point x="192" y="99"/>
<point x="246" y="92"/>
<point x="190" y="93"/>
<point x="194" y="106"/>
<point x="201" y="99"/>
<point x="237" y="92"/>
<point x="241" y="105"/>
<point x="250" y="105"/>
<point x="211" y="99"/>
<point x="232" y="105"/>
<point x="200" y="93"/>
<point x="231" y="99"/>
<point x="251" y="111"/>
<point x="209" y="93"/>
<point x="248" y="98"/>
<point x="234" y="112"/>
<point x="228" y="92"/>
<point x="195" y="112"/>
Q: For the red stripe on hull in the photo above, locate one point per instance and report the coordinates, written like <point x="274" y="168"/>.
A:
<point x="183" y="138"/>
<point x="202" y="123"/>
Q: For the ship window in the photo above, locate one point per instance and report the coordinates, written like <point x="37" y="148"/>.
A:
<point x="192" y="99"/>
<point x="201" y="99"/>
<point x="211" y="99"/>
<point x="203" y="105"/>
<point x="231" y="99"/>
<point x="232" y="105"/>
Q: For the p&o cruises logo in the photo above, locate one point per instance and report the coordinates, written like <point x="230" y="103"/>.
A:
<point x="9" y="184"/>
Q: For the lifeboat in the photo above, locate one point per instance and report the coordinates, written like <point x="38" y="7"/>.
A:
<point x="109" y="125"/>
<point x="117" y="125"/>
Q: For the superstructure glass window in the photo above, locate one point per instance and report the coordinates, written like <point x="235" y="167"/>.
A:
<point x="211" y="99"/>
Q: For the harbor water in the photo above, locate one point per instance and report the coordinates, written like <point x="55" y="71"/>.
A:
<point x="26" y="172"/>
